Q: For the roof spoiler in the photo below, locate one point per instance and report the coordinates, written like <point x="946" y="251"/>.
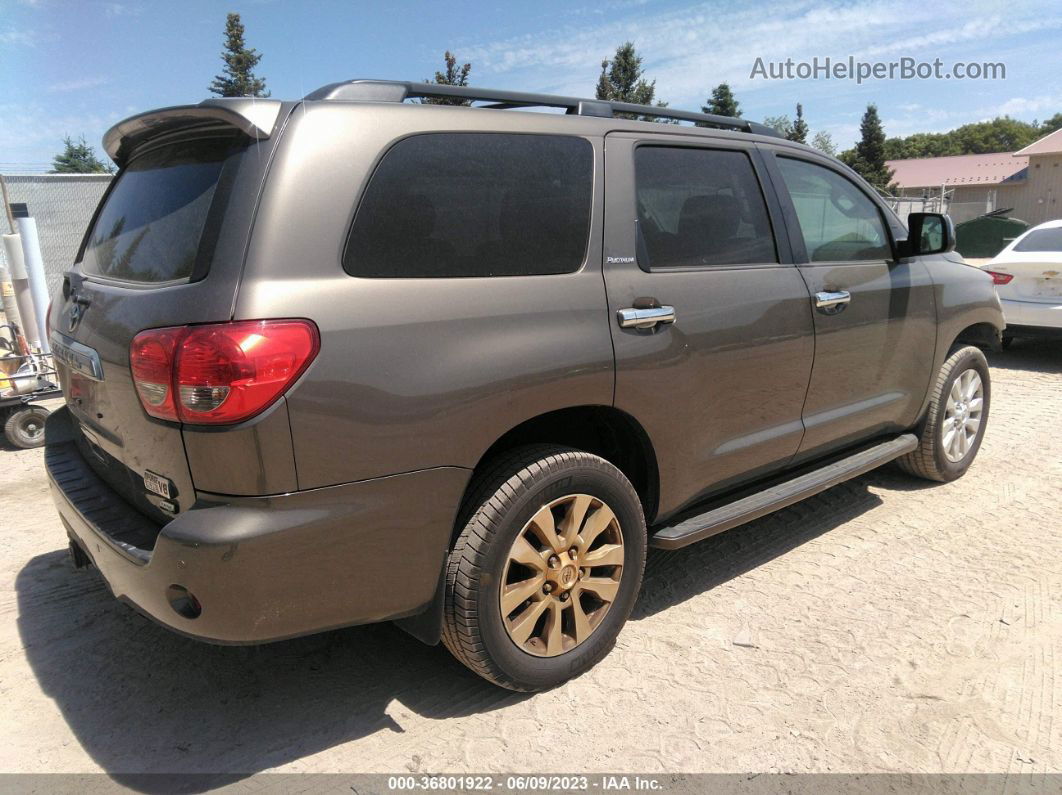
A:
<point x="254" y="117"/>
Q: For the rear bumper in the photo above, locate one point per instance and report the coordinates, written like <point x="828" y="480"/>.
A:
<point x="1032" y="313"/>
<point x="265" y="568"/>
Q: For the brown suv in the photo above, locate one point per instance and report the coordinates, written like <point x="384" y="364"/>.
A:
<point x="355" y="359"/>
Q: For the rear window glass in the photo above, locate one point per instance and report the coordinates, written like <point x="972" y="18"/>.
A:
<point x="1042" y="240"/>
<point x="150" y="226"/>
<point x="475" y="204"/>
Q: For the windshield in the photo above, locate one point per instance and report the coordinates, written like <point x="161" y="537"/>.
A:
<point x="1042" y="240"/>
<point x="150" y="226"/>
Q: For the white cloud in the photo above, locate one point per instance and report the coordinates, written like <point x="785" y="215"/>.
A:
<point x="12" y="36"/>
<point x="77" y="84"/>
<point x="1018" y="105"/>
<point x="689" y="50"/>
<point x="122" y="10"/>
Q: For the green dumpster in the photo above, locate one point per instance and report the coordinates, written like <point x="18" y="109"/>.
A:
<point x="987" y="235"/>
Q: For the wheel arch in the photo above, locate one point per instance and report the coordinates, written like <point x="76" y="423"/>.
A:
<point x="602" y="430"/>
<point x="984" y="335"/>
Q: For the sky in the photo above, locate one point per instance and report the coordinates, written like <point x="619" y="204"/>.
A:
<point x="75" y="67"/>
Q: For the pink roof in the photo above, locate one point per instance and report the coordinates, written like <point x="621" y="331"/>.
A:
<point x="925" y="172"/>
<point x="1048" y="145"/>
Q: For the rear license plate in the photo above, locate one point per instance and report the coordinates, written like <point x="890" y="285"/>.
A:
<point x="157" y="484"/>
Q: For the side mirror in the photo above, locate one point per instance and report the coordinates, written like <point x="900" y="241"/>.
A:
<point x="928" y="233"/>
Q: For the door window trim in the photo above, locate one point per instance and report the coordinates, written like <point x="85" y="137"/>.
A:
<point x="775" y="215"/>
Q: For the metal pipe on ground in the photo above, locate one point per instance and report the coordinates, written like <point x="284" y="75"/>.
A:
<point x="16" y="268"/>
<point x="34" y="262"/>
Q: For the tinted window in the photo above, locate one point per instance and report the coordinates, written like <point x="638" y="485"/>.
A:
<point x="840" y="223"/>
<point x="700" y="207"/>
<point x="475" y="204"/>
<point x="1042" y="240"/>
<point x="150" y="225"/>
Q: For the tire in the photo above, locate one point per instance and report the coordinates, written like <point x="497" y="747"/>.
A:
<point x="25" y="427"/>
<point x="934" y="459"/>
<point x="516" y="495"/>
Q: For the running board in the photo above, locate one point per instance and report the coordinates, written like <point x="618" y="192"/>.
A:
<point x="779" y="496"/>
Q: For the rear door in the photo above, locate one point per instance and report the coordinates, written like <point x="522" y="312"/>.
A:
<point x="691" y="227"/>
<point x="157" y="254"/>
<point x="875" y="322"/>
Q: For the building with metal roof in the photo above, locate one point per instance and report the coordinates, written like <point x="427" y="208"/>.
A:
<point x="1027" y="182"/>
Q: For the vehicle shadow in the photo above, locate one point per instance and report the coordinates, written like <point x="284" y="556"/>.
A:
<point x="142" y="700"/>
<point x="673" y="576"/>
<point x="1029" y="355"/>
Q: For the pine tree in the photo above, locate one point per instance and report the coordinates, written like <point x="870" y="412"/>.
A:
<point x="798" y="131"/>
<point x="868" y="157"/>
<point x="453" y="76"/>
<point x="239" y="79"/>
<point x="722" y="102"/>
<point x="79" y="158"/>
<point x="622" y="80"/>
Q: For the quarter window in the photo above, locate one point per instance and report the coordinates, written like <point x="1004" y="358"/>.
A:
<point x="839" y="222"/>
<point x="700" y="207"/>
<point x="475" y="204"/>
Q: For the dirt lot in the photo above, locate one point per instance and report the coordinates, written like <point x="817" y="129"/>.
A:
<point x="886" y="625"/>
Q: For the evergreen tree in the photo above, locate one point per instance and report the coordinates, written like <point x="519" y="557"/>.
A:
<point x="722" y="102"/>
<point x="79" y="158"/>
<point x="868" y="157"/>
<point x="823" y="141"/>
<point x="239" y="79"/>
<point x="453" y="76"/>
<point x="799" y="130"/>
<point x="622" y="80"/>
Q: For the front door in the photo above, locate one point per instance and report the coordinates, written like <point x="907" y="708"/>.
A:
<point x="875" y="322"/>
<point x="711" y="322"/>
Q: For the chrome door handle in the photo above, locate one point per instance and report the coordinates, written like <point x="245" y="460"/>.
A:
<point x="832" y="300"/>
<point x="645" y="318"/>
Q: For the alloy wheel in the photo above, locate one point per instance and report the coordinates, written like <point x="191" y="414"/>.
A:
<point x="962" y="415"/>
<point x="562" y="575"/>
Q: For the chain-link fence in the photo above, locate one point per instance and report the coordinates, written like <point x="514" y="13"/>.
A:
<point x="958" y="210"/>
<point x="63" y="205"/>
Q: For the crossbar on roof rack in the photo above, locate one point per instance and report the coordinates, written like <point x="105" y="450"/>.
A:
<point x="399" y="91"/>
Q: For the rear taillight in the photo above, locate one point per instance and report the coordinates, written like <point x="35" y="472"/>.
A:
<point x="1000" y="278"/>
<point x="151" y="358"/>
<point x="221" y="372"/>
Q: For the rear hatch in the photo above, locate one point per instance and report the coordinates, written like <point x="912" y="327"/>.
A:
<point x="1035" y="263"/>
<point x="165" y="248"/>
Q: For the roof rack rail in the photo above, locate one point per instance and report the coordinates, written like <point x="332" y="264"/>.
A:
<point x="399" y="91"/>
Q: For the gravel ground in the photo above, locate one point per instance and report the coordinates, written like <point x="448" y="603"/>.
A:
<point x="885" y="625"/>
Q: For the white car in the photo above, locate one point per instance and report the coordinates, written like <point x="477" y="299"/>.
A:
<point x="1028" y="277"/>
